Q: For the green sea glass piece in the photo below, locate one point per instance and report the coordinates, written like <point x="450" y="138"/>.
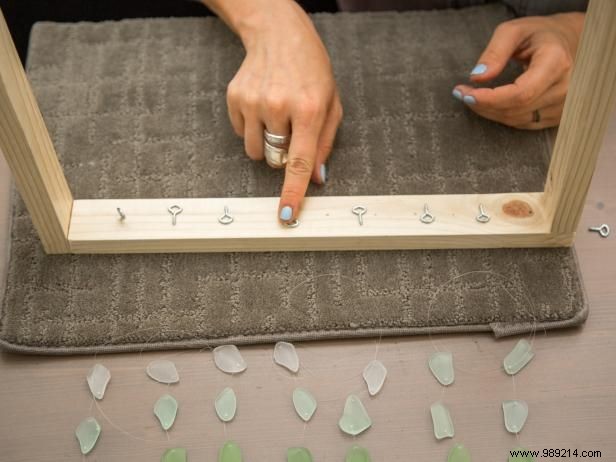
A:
<point x="230" y="452"/>
<point x="519" y="357"/>
<point x="515" y="413"/>
<point x="87" y="434"/>
<point x="305" y="404"/>
<point x="441" y="365"/>
<point x="174" y="455"/>
<point x="522" y="456"/>
<point x="226" y="405"/>
<point x="166" y="408"/>
<point x="355" y="418"/>
<point x="459" y="453"/>
<point x="298" y="455"/>
<point x="374" y="375"/>
<point x="441" y="420"/>
<point x="357" y="454"/>
<point x="163" y="371"/>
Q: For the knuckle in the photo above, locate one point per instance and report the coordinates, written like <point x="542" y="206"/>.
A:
<point x="299" y="166"/>
<point x="525" y="96"/>
<point x="250" y="99"/>
<point x="275" y="103"/>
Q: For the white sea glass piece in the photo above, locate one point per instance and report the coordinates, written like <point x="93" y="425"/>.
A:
<point x="226" y="405"/>
<point x="163" y="371"/>
<point x="98" y="378"/>
<point x="441" y="420"/>
<point x="374" y="375"/>
<point x="519" y="357"/>
<point x="355" y="418"/>
<point x="166" y="409"/>
<point x="286" y="356"/>
<point x="441" y="365"/>
<point x="305" y="404"/>
<point x="228" y="359"/>
<point x="515" y="413"/>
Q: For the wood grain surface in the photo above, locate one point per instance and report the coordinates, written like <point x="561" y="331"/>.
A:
<point x="570" y="386"/>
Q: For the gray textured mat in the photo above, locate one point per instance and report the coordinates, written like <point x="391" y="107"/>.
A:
<point x="137" y="109"/>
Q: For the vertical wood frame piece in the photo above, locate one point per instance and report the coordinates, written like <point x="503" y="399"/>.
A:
<point x="27" y="147"/>
<point x="544" y="219"/>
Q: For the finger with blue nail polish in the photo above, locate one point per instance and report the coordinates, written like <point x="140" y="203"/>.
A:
<point x="323" y="173"/>
<point x="479" y="69"/>
<point x="286" y="213"/>
<point x="457" y="94"/>
<point x="469" y="99"/>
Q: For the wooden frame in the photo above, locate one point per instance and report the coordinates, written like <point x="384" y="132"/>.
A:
<point x="544" y="219"/>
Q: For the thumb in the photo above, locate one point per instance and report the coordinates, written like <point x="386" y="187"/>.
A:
<point x="506" y="39"/>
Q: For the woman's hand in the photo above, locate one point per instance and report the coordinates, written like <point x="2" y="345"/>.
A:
<point x="546" y="46"/>
<point x="286" y="86"/>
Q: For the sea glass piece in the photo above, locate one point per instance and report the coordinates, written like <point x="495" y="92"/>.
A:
<point x="355" y="418"/>
<point x="519" y="357"/>
<point x="98" y="378"/>
<point x="163" y="371"/>
<point x="228" y="359"/>
<point x="441" y="420"/>
<point x="174" y="455"/>
<point x="357" y="454"/>
<point x="515" y="413"/>
<point x="305" y="404"/>
<point x="166" y="408"/>
<point x="87" y="434"/>
<point x="286" y="356"/>
<point x="523" y="455"/>
<point x="374" y="375"/>
<point x="226" y="405"/>
<point x="459" y="453"/>
<point x="298" y="455"/>
<point x="230" y="452"/>
<point x="441" y="365"/>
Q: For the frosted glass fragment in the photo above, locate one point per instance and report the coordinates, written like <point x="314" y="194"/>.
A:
<point x="166" y="408"/>
<point x="174" y="455"/>
<point x="459" y="453"/>
<point x="374" y="375"/>
<point x="519" y="357"/>
<point x="286" y="356"/>
<point x="441" y="365"/>
<point x="441" y="420"/>
<point x="305" y="404"/>
<point x="87" y="434"/>
<point x="523" y="455"/>
<point x="230" y="452"/>
<point x="357" y="454"/>
<point x="515" y="413"/>
<point x="226" y="405"/>
<point x="228" y="359"/>
<point x="298" y="455"/>
<point x="98" y="378"/>
<point x="355" y="418"/>
<point x="163" y="371"/>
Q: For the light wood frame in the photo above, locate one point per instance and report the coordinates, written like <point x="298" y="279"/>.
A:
<point x="543" y="219"/>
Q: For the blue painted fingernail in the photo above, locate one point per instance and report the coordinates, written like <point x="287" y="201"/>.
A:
<point x="479" y="69"/>
<point x="286" y="213"/>
<point x="457" y="94"/>
<point x="468" y="99"/>
<point x="323" y="171"/>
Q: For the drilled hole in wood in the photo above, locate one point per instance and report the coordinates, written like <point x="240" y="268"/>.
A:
<point x="519" y="209"/>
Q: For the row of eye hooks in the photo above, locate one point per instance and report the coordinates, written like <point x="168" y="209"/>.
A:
<point x="226" y="219"/>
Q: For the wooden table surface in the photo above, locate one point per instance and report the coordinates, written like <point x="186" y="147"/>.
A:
<point x="570" y="386"/>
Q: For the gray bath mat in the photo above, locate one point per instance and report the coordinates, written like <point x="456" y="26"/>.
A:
<point x="137" y="109"/>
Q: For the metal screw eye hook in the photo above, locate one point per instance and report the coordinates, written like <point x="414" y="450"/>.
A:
<point x="293" y="224"/>
<point x="227" y="218"/>
<point x="426" y="217"/>
<point x="483" y="217"/>
<point x="175" y="210"/>
<point x="603" y="230"/>
<point x="122" y="214"/>
<point x="359" y="210"/>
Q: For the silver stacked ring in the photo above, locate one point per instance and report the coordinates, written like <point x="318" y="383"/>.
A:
<point x="276" y="149"/>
